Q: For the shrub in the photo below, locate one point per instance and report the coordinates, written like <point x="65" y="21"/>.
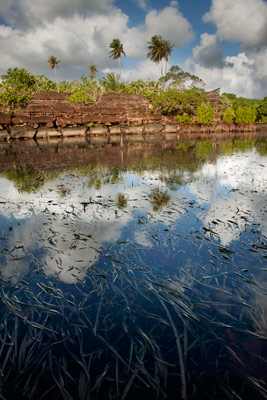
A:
<point x="185" y="119"/>
<point x="229" y="115"/>
<point x="262" y="111"/>
<point x="204" y="114"/>
<point x="11" y="101"/>
<point x="172" y="101"/>
<point x="245" y="115"/>
<point x="85" y="91"/>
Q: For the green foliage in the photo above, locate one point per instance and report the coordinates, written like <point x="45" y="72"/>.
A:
<point x="53" y="62"/>
<point x="159" y="49"/>
<point x="93" y="71"/>
<point x="19" y="80"/>
<point x="116" y="49"/>
<point x="228" y="115"/>
<point x="224" y="103"/>
<point x="10" y="101"/>
<point x="111" y="83"/>
<point x="172" y="101"/>
<point x="148" y="89"/>
<point x="245" y="115"/>
<point x="236" y="102"/>
<point x="185" y="119"/>
<point x="81" y="97"/>
<point x="64" y="86"/>
<point x="85" y="90"/>
<point x="178" y="79"/>
<point x="204" y="114"/>
<point x="15" y="88"/>
<point x="262" y="111"/>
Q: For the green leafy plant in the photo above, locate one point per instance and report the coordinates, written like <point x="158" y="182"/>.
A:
<point x="185" y="119"/>
<point x="11" y="102"/>
<point x="228" y="115"/>
<point x="262" y="111"/>
<point x="172" y="101"/>
<point x="85" y="90"/>
<point x="176" y="78"/>
<point x="111" y="83"/>
<point x="204" y="114"/>
<point x="245" y="115"/>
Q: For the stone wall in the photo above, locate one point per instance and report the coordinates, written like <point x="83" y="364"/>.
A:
<point x="116" y="115"/>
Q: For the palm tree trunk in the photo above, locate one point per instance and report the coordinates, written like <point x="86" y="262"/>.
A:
<point x="56" y="78"/>
<point x="120" y="68"/>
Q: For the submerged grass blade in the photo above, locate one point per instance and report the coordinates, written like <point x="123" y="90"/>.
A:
<point x="179" y="349"/>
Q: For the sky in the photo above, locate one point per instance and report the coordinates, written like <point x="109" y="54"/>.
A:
<point x="224" y="42"/>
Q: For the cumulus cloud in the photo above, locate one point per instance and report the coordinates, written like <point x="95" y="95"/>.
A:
<point x="241" y="178"/>
<point x="143" y="4"/>
<point x="208" y="53"/>
<point x="79" y="34"/>
<point x="143" y="70"/>
<point x="242" y="20"/>
<point x="26" y="14"/>
<point x="244" y="74"/>
<point x="171" y="24"/>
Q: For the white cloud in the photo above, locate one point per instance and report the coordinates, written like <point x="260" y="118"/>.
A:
<point x="244" y="74"/>
<point x="143" y="4"/>
<point x="240" y="20"/>
<point x="143" y="70"/>
<point x="26" y="14"/>
<point x="79" y="35"/>
<point x="240" y="181"/>
<point x="208" y="53"/>
<point x="171" y="24"/>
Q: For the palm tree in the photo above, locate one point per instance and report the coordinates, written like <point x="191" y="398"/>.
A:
<point x="53" y="64"/>
<point x="168" y="47"/>
<point x="117" y="51"/>
<point x="159" y="49"/>
<point x="111" y="82"/>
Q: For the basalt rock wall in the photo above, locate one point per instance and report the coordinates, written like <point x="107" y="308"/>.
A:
<point x="116" y="115"/>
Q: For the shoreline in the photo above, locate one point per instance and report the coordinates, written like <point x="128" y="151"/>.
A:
<point x="116" y="117"/>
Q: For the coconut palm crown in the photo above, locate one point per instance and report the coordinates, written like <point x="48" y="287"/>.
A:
<point x="117" y="51"/>
<point x="159" y="49"/>
<point x="53" y="63"/>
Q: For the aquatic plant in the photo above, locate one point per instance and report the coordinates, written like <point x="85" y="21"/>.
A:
<point x="100" y="302"/>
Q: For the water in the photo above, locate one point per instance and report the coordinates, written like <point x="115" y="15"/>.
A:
<point x="132" y="271"/>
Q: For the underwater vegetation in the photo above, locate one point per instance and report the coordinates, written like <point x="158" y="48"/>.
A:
<point x="146" y="280"/>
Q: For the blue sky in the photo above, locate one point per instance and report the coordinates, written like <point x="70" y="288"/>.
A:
<point x="224" y="42"/>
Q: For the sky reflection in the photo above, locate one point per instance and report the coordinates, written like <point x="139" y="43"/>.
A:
<point x="64" y="227"/>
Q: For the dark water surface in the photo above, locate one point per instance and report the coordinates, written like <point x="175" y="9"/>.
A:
<point x="133" y="272"/>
